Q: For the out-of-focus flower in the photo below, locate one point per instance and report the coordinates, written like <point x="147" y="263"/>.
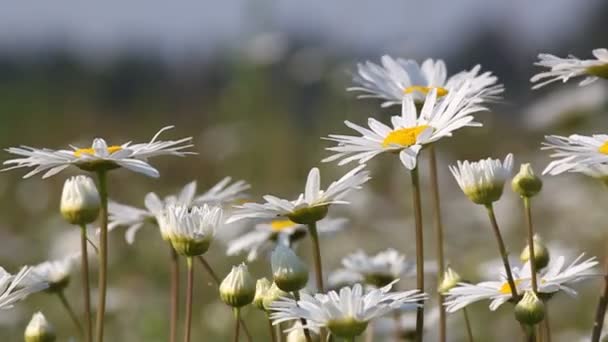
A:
<point x="13" y="288"/>
<point x="565" y="68"/>
<point x="380" y="269"/>
<point x="576" y="153"/>
<point x="288" y="271"/>
<point x="55" y="273"/>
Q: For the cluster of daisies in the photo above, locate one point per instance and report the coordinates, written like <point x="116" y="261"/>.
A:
<point x="300" y="298"/>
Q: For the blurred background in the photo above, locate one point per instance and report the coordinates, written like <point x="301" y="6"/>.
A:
<point x="256" y="84"/>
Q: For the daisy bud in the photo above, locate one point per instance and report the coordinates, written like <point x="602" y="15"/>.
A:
<point x="541" y="254"/>
<point x="238" y="288"/>
<point x="309" y="215"/>
<point x="530" y="310"/>
<point x="450" y="279"/>
<point x="273" y="294"/>
<point x="39" y="330"/>
<point x="288" y="271"/>
<point x="190" y="230"/>
<point x="526" y="183"/>
<point x="261" y="287"/>
<point x="483" y="181"/>
<point x="80" y="201"/>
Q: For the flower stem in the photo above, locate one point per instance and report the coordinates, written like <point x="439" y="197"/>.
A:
<point x="547" y="324"/>
<point x="296" y="296"/>
<point x="528" y="210"/>
<point x="86" y="292"/>
<point x="103" y="255"/>
<point x="272" y="330"/>
<point x="314" y="236"/>
<point x="601" y="307"/>
<point x="237" y="325"/>
<point x="174" y="296"/>
<point x="467" y="323"/>
<point x="397" y="322"/>
<point x="189" y="291"/>
<point x="419" y="252"/>
<point x="502" y="250"/>
<point x="439" y="236"/>
<point x="71" y="313"/>
<point x="217" y="281"/>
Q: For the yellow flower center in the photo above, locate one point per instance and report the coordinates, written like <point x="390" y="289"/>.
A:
<point x="425" y="90"/>
<point x="506" y="288"/>
<point x="403" y="137"/>
<point x="604" y="148"/>
<point x="280" y="225"/>
<point x="90" y="151"/>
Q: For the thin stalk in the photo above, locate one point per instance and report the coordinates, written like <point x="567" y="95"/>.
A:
<point x="71" y="313"/>
<point x="467" y="324"/>
<point x="174" y="295"/>
<point x="237" y="318"/>
<point x="369" y="332"/>
<point x="271" y="329"/>
<point x="601" y="307"/>
<point x="86" y="291"/>
<point x="528" y="210"/>
<point x="189" y="291"/>
<point x="296" y="296"/>
<point x="547" y="324"/>
<point x="439" y="236"/>
<point x="502" y="249"/>
<point x="103" y="255"/>
<point x="419" y="251"/>
<point x="217" y="282"/>
<point x="397" y="321"/>
<point x="280" y="332"/>
<point x="314" y="236"/>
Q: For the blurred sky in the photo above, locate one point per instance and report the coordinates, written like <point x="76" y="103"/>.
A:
<point x="179" y="28"/>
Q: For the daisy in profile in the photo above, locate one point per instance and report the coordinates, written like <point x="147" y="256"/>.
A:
<point x="380" y="269"/>
<point x="346" y="313"/>
<point x="483" y="181"/>
<point x="395" y="78"/>
<point x="575" y="153"/>
<point x="562" y="69"/>
<point x="265" y="236"/>
<point x="98" y="157"/>
<point x="410" y="131"/>
<point x="55" y="273"/>
<point x="190" y="230"/>
<point x="554" y="278"/>
<point x="13" y="288"/>
<point x="133" y="218"/>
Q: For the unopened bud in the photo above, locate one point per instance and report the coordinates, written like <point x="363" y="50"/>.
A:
<point x="80" y="200"/>
<point x="272" y="295"/>
<point x="288" y="271"/>
<point x="541" y="254"/>
<point x="261" y="287"/>
<point x="526" y="183"/>
<point x="39" y="330"/>
<point x="530" y="310"/>
<point x="450" y="279"/>
<point x="238" y="288"/>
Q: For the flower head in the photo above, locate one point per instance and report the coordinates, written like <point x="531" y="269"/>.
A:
<point x="309" y="207"/>
<point x="530" y="310"/>
<point x="345" y="313"/>
<point x="410" y="131"/>
<point x="39" y="329"/>
<point x="396" y="78"/>
<point x="448" y="281"/>
<point x="190" y="230"/>
<point x="380" y="269"/>
<point x="55" y="273"/>
<point x="565" y="68"/>
<point x="262" y="286"/>
<point x="576" y="153"/>
<point x="14" y="288"/>
<point x="541" y="253"/>
<point x="526" y="183"/>
<point x="288" y="271"/>
<point x="238" y="288"/>
<point x="484" y="180"/>
<point x="98" y="157"/>
<point x="80" y="200"/>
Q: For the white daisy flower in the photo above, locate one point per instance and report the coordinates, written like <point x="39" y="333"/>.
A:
<point x="483" y="181"/>
<point x="345" y="313"/>
<point x="575" y="152"/>
<point x="380" y="269"/>
<point x="410" y="131"/>
<point x="56" y="273"/>
<point x="99" y="156"/>
<point x="311" y="206"/>
<point x="396" y="78"/>
<point x="133" y="218"/>
<point x="266" y="235"/>
<point x="190" y="230"/>
<point x="13" y="288"/>
<point x="565" y="68"/>
<point x="552" y="279"/>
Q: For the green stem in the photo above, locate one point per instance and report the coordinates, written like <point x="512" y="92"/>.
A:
<point x="467" y="323"/>
<point x="296" y="296"/>
<point x="314" y="236"/>
<point x="237" y="325"/>
<point x="502" y="249"/>
<point x="103" y="255"/>
<point x="174" y="296"/>
<point x="397" y="320"/>
<point x="528" y="210"/>
<point x="189" y="292"/>
<point x="439" y="235"/>
<point x="71" y="313"/>
<point x="86" y="291"/>
<point x="547" y="324"/>
<point x="600" y="312"/>
<point x="419" y="251"/>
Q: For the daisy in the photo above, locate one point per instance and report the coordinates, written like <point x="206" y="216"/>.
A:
<point x="13" y="288"/>
<point x="553" y="279"/>
<point x="565" y="68"/>
<point x="483" y="181"/>
<point x="380" y="269"/>
<point x="410" y="131"/>
<point x="309" y="207"/>
<point x="345" y="313"/>
<point x="55" y="273"/>
<point x="133" y="218"/>
<point x="266" y="235"/>
<point x="396" y="78"/>
<point x="190" y="230"/>
<point x="98" y="157"/>
<point x="575" y="152"/>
